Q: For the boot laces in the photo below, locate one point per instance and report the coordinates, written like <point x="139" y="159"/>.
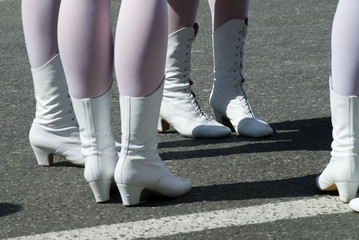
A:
<point x="198" y="108"/>
<point x="246" y="105"/>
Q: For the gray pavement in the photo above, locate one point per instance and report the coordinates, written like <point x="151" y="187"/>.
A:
<point x="287" y="64"/>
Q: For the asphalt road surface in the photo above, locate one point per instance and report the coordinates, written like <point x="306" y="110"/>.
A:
<point x="243" y="188"/>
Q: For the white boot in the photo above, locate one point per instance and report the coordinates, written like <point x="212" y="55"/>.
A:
<point x="140" y="167"/>
<point x="354" y="204"/>
<point x="228" y="98"/>
<point x="180" y="107"/>
<point x="54" y="130"/>
<point x="98" y="145"/>
<point x="342" y="172"/>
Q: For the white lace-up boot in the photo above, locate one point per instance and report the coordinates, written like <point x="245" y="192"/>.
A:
<point x="228" y="98"/>
<point x="180" y="107"/>
<point x="98" y="145"/>
<point x="139" y="166"/>
<point x="54" y="130"/>
<point x="342" y="172"/>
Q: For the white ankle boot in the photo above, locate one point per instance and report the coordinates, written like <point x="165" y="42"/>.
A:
<point x="139" y="166"/>
<point x="342" y="172"/>
<point x="180" y="107"/>
<point x="354" y="204"/>
<point x="228" y="98"/>
<point x="98" y="145"/>
<point x="54" y="130"/>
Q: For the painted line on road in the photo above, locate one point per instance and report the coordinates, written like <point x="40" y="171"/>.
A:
<point x="166" y="226"/>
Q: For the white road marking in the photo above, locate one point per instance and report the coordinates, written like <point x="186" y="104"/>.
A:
<point x="151" y="228"/>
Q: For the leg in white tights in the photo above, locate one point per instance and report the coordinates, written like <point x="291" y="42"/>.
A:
<point x="140" y="61"/>
<point x="345" y="48"/>
<point x="342" y="172"/>
<point x="228" y="98"/>
<point x="141" y="37"/>
<point x="180" y="107"/>
<point x="55" y="121"/>
<point x="225" y="10"/>
<point x="181" y="13"/>
<point x="85" y="41"/>
<point x="86" y="49"/>
<point x="40" y="30"/>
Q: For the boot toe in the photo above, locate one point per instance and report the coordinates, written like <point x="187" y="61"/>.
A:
<point x="354" y="204"/>
<point x="172" y="186"/>
<point x="210" y="131"/>
<point x="254" y="128"/>
<point x="325" y="183"/>
<point x="198" y="127"/>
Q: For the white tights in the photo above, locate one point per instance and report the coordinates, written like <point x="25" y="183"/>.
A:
<point x="182" y="13"/>
<point x="345" y="48"/>
<point x="80" y="30"/>
<point x="40" y="30"/>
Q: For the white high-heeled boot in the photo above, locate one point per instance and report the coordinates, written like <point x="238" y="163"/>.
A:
<point x="342" y="172"/>
<point x="180" y="107"/>
<point x="228" y="98"/>
<point x="54" y="130"/>
<point x="98" y="145"/>
<point x="139" y="166"/>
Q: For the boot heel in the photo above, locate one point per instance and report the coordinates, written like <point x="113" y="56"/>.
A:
<point x="347" y="190"/>
<point x="101" y="190"/>
<point x="130" y="194"/>
<point x="218" y="116"/>
<point x="224" y="120"/>
<point x="162" y="125"/>
<point x="44" y="158"/>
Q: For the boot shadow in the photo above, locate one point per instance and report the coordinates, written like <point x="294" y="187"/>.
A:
<point x="307" y="134"/>
<point x="296" y="187"/>
<point x="9" y="208"/>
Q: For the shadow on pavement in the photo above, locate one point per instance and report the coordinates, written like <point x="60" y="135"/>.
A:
<point x="275" y="189"/>
<point x="308" y="134"/>
<point x="9" y="208"/>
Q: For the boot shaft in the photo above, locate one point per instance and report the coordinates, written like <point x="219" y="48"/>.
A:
<point x="140" y="166"/>
<point x="93" y="115"/>
<point x="139" y="118"/>
<point x="228" y="52"/>
<point x="53" y="103"/>
<point x="345" y="121"/>
<point x="178" y="61"/>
